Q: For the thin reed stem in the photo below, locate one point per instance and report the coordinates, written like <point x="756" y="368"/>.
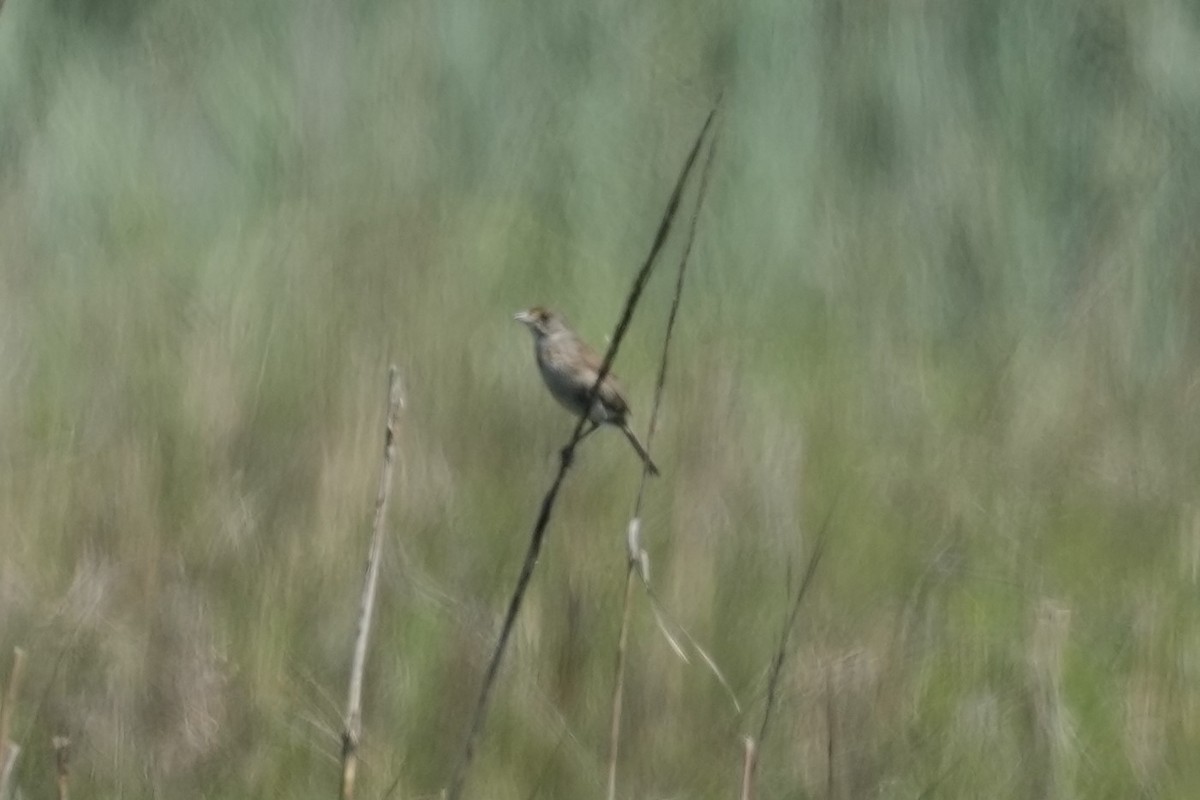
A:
<point x="749" y="757"/>
<point x="790" y="623"/>
<point x="634" y="553"/>
<point x="352" y="733"/>
<point x="9" y="750"/>
<point x="62" y="765"/>
<point x="614" y="735"/>
<point x="537" y="536"/>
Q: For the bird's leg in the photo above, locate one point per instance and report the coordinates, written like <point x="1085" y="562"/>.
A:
<point x="588" y="432"/>
<point x="568" y="452"/>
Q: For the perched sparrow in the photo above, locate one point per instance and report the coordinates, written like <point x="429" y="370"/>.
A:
<point x="569" y="367"/>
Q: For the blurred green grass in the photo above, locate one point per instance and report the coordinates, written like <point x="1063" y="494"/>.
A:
<point x="947" y="268"/>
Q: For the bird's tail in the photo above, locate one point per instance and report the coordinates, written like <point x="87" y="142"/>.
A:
<point x="641" y="449"/>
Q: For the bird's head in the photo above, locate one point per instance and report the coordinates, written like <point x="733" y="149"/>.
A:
<point x="541" y="321"/>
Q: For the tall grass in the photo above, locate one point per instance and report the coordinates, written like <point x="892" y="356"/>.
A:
<point x="948" y="261"/>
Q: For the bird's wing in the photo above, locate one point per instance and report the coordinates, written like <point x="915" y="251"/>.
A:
<point x="611" y="393"/>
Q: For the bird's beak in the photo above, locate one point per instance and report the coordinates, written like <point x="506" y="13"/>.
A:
<point x="523" y="317"/>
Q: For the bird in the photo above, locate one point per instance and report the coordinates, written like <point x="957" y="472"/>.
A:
<point x="569" y="368"/>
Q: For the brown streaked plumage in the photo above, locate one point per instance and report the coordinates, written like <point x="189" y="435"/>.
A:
<point x="569" y="367"/>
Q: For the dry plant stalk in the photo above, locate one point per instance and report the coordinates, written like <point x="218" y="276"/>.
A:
<point x="538" y="535"/>
<point x="62" y="759"/>
<point x="9" y="750"/>
<point x="8" y="762"/>
<point x="831" y="740"/>
<point x="751" y="761"/>
<point x="353" y="730"/>
<point x="10" y="695"/>
<point x="614" y="734"/>
<point x="635" y="556"/>
<point x="749" y="757"/>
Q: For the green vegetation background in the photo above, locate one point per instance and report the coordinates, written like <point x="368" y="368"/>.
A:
<point x="949" y="267"/>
